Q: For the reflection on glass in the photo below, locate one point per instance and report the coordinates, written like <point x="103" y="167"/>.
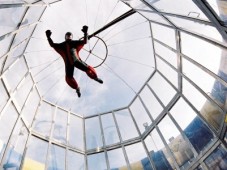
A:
<point x="15" y="153"/>
<point x="138" y="160"/>
<point x="176" y="142"/>
<point x="220" y="8"/>
<point x="60" y="125"/>
<point x="109" y="129"/>
<point x="127" y="130"/>
<point x="97" y="161"/>
<point x="56" y="158"/>
<point x="116" y="159"/>
<point x="7" y="121"/>
<point x="76" y="135"/>
<point x="158" y="152"/>
<point x="35" y="156"/>
<point x="217" y="159"/>
<point x="93" y="133"/>
<point x="75" y="161"/>
<point x="44" y="118"/>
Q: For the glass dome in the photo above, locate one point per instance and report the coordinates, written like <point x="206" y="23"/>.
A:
<point x="162" y="105"/>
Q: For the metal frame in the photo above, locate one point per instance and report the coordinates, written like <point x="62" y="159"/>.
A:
<point x="141" y="137"/>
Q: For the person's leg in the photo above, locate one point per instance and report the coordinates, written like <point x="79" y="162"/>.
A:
<point x="71" y="81"/>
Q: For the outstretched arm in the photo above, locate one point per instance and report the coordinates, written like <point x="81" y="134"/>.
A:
<point x="48" y="34"/>
<point x="84" y="30"/>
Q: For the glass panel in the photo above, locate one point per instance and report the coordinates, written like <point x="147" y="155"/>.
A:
<point x="76" y="132"/>
<point x="166" y="53"/>
<point x="169" y="38"/>
<point x="15" y="74"/>
<point x="75" y="161"/>
<point x="7" y="121"/>
<point x="60" y="125"/>
<point x="10" y="18"/>
<point x="116" y="159"/>
<point x="185" y="7"/>
<point x="36" y="154"/>
<point x="162" y="88"/>
<point x="128" y="130"/>
<point x="14" y="154"/>
<point x="56" y="158"/>
<point x="154" y="17"/>
<point x="97" y="161"/>
<point x="220" y="8"/>
<point x="4" y="96"/>
<point x="158" y="152"/>
<point x="151" y="102"/>
<point x="93" y="133"/>
<point x="166" y="70"/>
<point x="30" y="107"/>
<point x="43" y="119"/>
<point x="140" y="115"/>
<point x="23" y="91"/>
<point x="5" y="44"/>
<point x="138" y="160"/>
<point x="15" y="54"/>
<point x="176" y="142"/>
<point x="197" y="27"/>
<point x="211" y="58"/>
<point x="217" y="159"/>
<point x="109" y="129"/>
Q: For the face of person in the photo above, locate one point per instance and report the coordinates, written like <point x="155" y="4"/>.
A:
<point x="68" y="37"/>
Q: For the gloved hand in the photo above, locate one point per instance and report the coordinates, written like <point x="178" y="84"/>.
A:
<point x="85" y="29"/>
<point x="48" y="33"/>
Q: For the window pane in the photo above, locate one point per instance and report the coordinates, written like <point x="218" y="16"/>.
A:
<point x="138" y="160"/>
<point x="14" y="154"/>
<point x="140" y="115"/>
<point x="97" y="161"/>
<point x="56" y="158"/>
<point x="176" y="142"/>
<point x="5" y="43"/>
<point x="60" y="125"/>
<point x="75" y="161"/>
<point x="43" y="119"/>
<point x="7" y="121"/>
<point x="30" y="108"/>
<point x="109" y="129"/>
<point x="116" y="159"/>
<point x="162" y="88"/>
<point x="15" y="74"/>
<point x="76" y="132"/>
<point x="151" y="102"/>
<point x="128" y="130"/>
<point x="10" y="18"/>
<point x="93" y="133"/>
<point x="169" y="38"/>
<point x="4" y="96"/>
<point x="217" y="159"/>
<point x="36" y="154"/>
<point x="23" y="91"/>
<point x="158" y="152"/>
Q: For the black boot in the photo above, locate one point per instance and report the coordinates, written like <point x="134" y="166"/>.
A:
<point x="99" y="80"/>
<point x="78" y="92"/>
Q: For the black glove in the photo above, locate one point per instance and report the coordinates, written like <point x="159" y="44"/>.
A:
<point x="85" y="29"/>
<point x="48" y="33"/>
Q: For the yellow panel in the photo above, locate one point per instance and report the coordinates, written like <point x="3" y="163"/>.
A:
<point x="134" y="166"/>
<point x="30" y="164"/>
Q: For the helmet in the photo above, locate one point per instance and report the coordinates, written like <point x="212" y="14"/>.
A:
<point x="68" y="34"/>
